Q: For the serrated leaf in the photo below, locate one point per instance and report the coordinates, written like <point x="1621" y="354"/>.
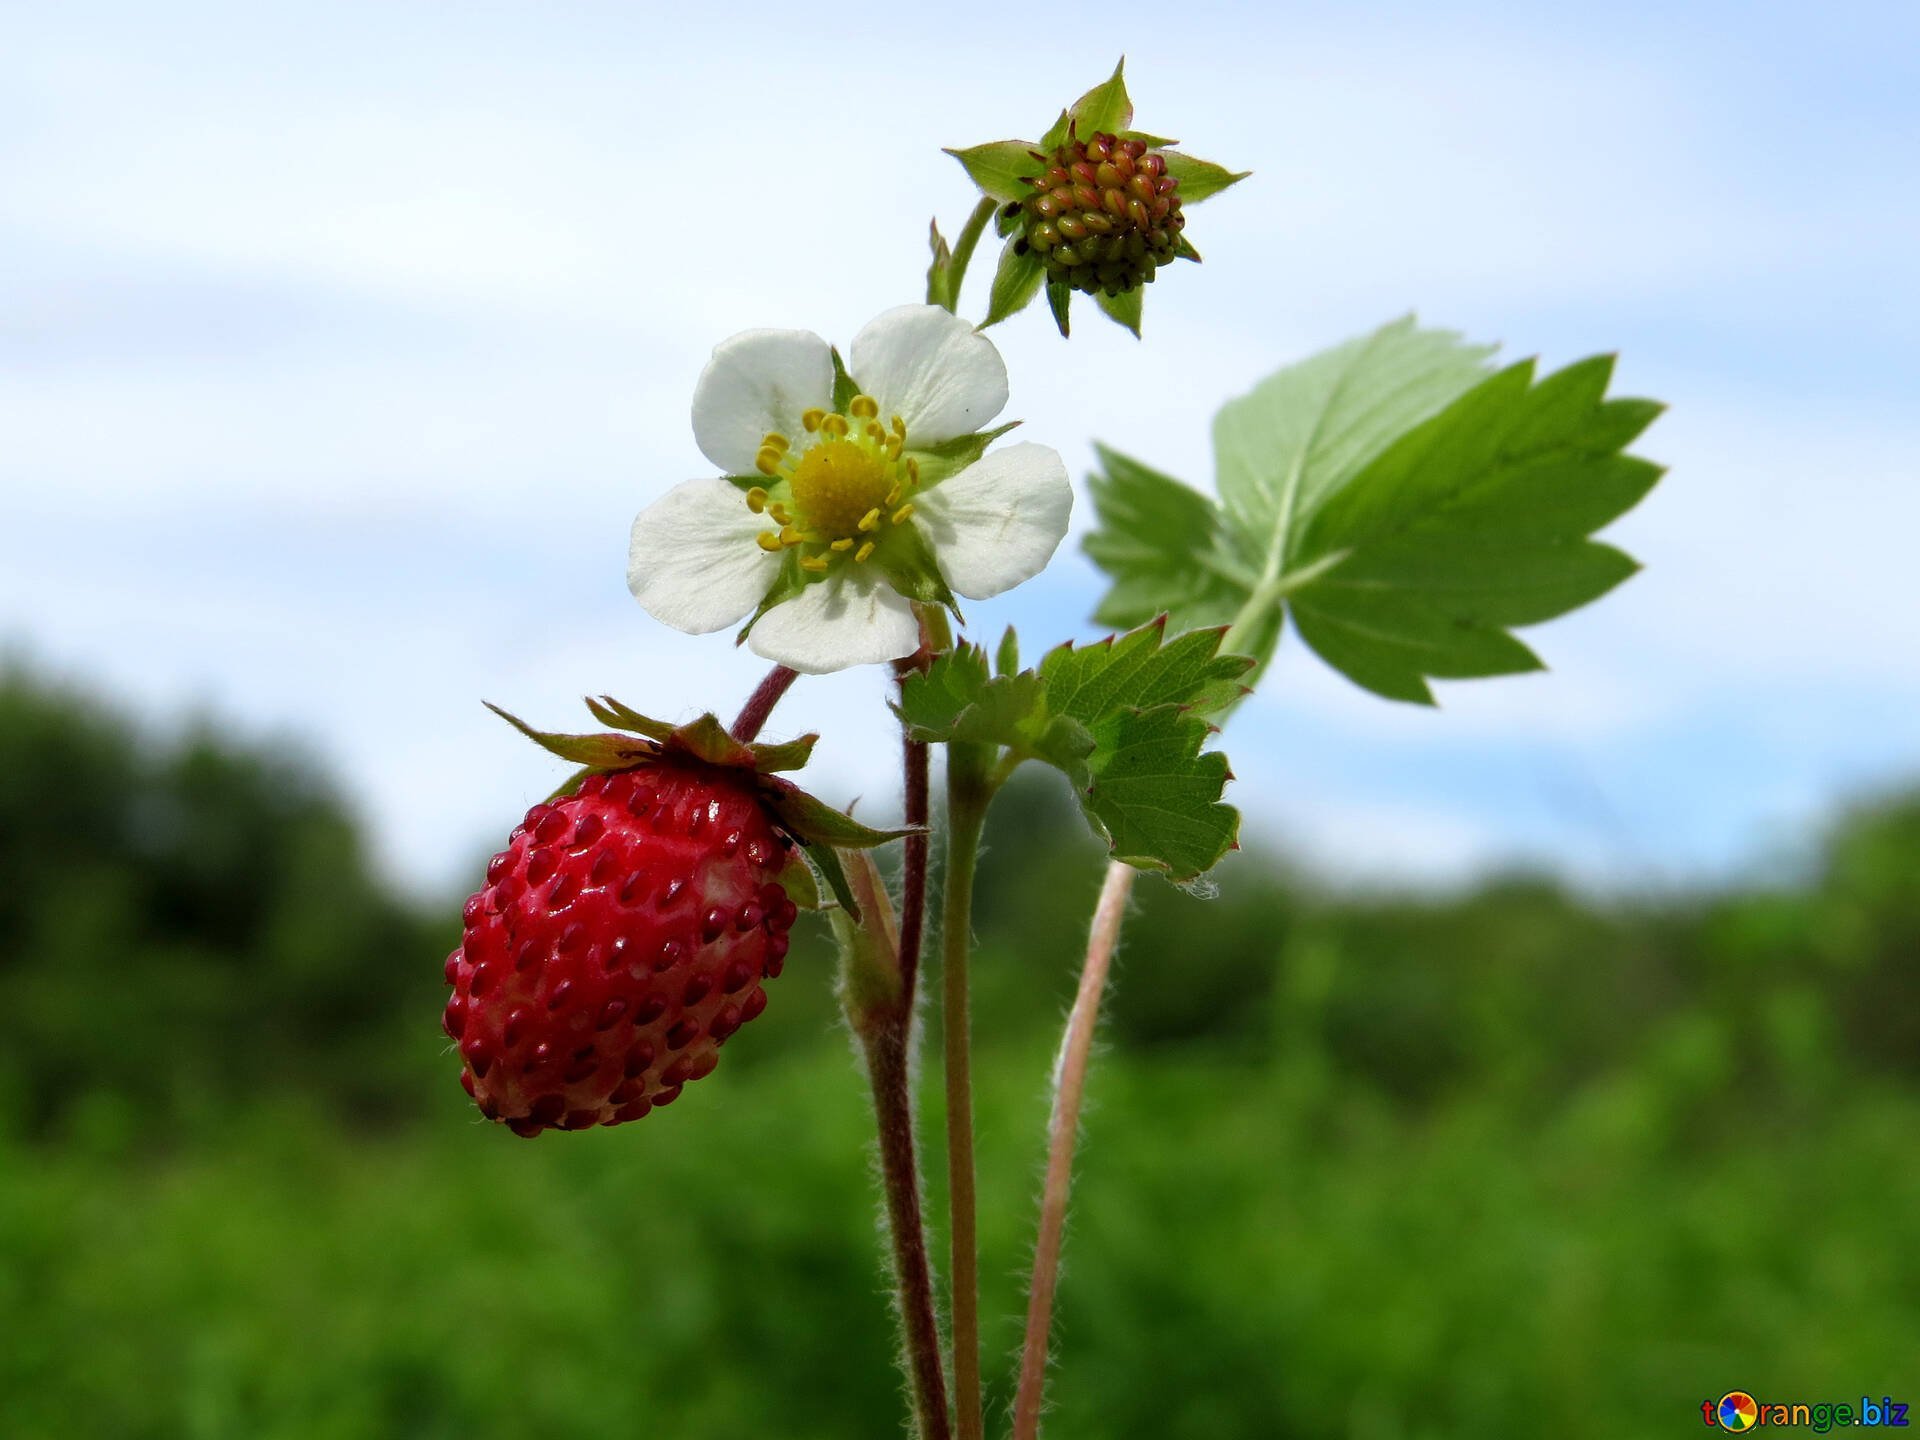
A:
<point x="955" y="699"/>
<point x="1123" y="309"/>
<point x="1473" y="522"/>
<point x="1104" y="108"/>
<point x="1200" y="179"/>
<point x="1015" y="282"/>
<point x="1140" y="670"/>
<point x="1000" y="167"/>
<point x="1160" y="543"/>
<point x="1157" y="796"/>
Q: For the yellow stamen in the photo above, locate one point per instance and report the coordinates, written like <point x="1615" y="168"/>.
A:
<point x="780" y="513"/>
<point x="816" y="563"/>
<point x="767" y="462"/>
<point x="757" y="500"/>
<point x="900" y="515"/>
<point x="791" y="536"/>
<point x="834" y="426"/>
<point x="913" y="470"/>
<point x="899" y="427"/>
<point x="871" y="520"/>
<point x="768" y="540"/>
<point x="893" y="495"/>
<point x="812" y="418"/>
<point x="845" y="542"/>
<point x="774" y="440"/>
<point x="864" y="407"/>
<point x="860" y="555"/>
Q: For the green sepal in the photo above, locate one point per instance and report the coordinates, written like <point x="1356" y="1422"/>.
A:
<point x="1056" y="134"/>
<point x="814" y="822"/>
<point x="596" y="752"/>
<point x="786" y="585"/>
<point x="706" y="739"/>
<point x="1059" y="297"/>
<point x="1000" y="166"/>
<point x="787" y="755"/>
<point x="950" y="457"/>
<point x="1006" y="660"/>
<point x="609" y="711"/>
<point x="1007" y="221"/>
<point x="1183" y="248"/>
<point x="1015" y="282"/>
<point x="1152" y="142"/>
<point x="940" y="271"/>
<point x="844" y="386"/>
<point x="908" y="562"/>
<point x="827" y="861"/>
<point x="1105" y="108"/>
<point x="1123" y="309"/>
<point x="797" y="879"/>
<point x="1200" y="179"/>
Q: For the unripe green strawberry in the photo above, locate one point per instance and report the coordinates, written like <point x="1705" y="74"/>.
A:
<point x="1103" y="215"/>
<point x="621" y="938"/>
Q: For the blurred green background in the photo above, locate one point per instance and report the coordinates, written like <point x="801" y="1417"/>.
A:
<point x="1493" y="1163"/>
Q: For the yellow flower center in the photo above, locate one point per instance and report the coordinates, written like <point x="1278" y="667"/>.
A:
<point x="836" y="483"/>
<point x="838" y="495"/>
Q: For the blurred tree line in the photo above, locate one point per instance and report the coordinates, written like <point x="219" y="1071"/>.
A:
<point x="190" y="922"/>
<point x="1370" y="1165"/>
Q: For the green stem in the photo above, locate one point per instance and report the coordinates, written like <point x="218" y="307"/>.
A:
<point x="969" y="791"/>
<point x="963" y="249"/>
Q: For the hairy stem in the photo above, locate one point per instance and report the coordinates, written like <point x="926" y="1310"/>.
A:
<point x="963" y="249"/>
<point x="913" y="879"/>
<point x="760" y="704"/>
<point x="968" y="794"/>
<point x="1070" y="1085"/>
<point x="888" y="1050"/>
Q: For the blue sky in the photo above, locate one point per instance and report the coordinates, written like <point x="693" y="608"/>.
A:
<point x="338" y="347"/>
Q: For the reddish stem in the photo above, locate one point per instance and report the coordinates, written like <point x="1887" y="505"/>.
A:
<point x="760" y="704"/>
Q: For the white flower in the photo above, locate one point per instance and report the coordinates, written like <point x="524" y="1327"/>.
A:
<point x="835" y="519"/>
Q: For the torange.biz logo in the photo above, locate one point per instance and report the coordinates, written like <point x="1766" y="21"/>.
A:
<point x="1737" y="1410"/>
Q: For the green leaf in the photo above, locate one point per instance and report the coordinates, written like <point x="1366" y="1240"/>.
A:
<point x="1200" y="179"/>
<point x="1122" y="719"/>
<point x="1059" y="297"/>
<point x="1157" y="796"/>
<point x="1160" y="542"/>
<point x="1015" y="283"/>
<point x="1142" y="669"/>
<point x="844" y="385"/>
<point x="950" y="457"/>
<point x="1104" y="108"/>
<point x="1123" y="309"/>
<point x="1405" y="506"/>
<point x="1000" y="167"/>
<point x="1471" y="523"/>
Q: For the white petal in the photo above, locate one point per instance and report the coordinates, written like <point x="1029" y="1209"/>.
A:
<point x="932" y="369"/>
<point x="756" y="382"/>
<point x="854" y="617"/>
<point x="999" y="520"/>
<point x="694" y="561"/>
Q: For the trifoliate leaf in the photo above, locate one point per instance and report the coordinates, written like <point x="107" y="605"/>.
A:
<point x="1122" y="719"/>
<point x="1199" y="179"/>
<point x="1015" y="283"/>
<point x="1161" y="544"/>
<point x="1000" y="166"/>
<point x="1157" y="796"/>
<point x="1407" y="508"/>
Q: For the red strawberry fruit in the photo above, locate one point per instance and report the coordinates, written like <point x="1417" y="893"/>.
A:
<point x="627" y="929"/>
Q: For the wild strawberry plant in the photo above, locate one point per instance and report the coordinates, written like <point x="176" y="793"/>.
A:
<point x="1399" y="499"/>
